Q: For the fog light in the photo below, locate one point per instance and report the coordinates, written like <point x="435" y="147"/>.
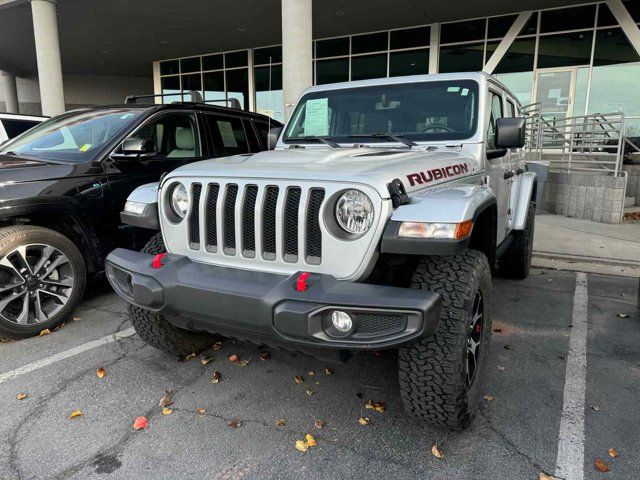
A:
<point x="341" y="321"/>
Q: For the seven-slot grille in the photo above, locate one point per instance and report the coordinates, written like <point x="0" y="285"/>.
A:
<point x="271" y="219"/>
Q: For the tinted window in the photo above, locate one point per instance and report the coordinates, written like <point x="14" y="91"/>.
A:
<point x="332" y="71"/>
<point x="519" y="57"/>
<point x="212" y="62"/>
<point x="568" y="19"/>
<point x="462" y="58"/>
<point x="612" y="46"/>
<point x="369" y="66"/>
<point x="410" y="37"/>
<point x="15" y="127"/>
<point x="564" y="50"/>
<point x="462" y="31"/>
<point x="265" y="55"/>
<point x="333" y="47"/>
<point x="191" y="82"/>
<point x="511" y="109"/>
<point x="175" y="135"/>
<point x="214" y="86"/>
<point x="499" y="26"/>
<point x="410" y="62"/>
<point x="170" y="67"/>
<point x="373" y="42"/>
<point x="254" y="144"/>
<point x="228" y="135"/>
<point x="235" y="59"/>
<point x="170" y="86"/>
<point x="496" y="113"/>
<point x="238" y="86"/>
<point x="188" y="65"/>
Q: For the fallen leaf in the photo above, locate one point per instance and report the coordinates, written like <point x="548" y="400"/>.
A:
<point x="488" y="398"/>
<point x="595" y="407"/>
<point x="311" y="373"/>
<point x="191" y="356"/>
<point x="281" y="422"/>
<point x="217" y="346"/>
<point x="205" y="360"/>
<point x="234" y="359"/>
<point x="544" y="476"/>
<point x="310" y="391"/>
<point x="59" y="327"/>
<point x="235" y="423"/>
<point x="319" y="424"/>
<point x="310" y="440"/>
<point x="141" y="423"/>
<point x="101" y="372"/>
<point x="217" y="376"/>
<point x="623" y="315"/>
<point x="167" y="399"/>
<point x="301" y="446"/>
<point x="601" y="465"/>
<point x="298" y="379"/>
<point x="377" y="406"/>
<point x="613" y="453"/>
<point x="75" y="413"/>
<point x="364" y="421"/>
<point x="167" y="411"/>
<point x="76" y="319"/>
<point x="436" y="452"/>
<point x="501" y="368"/>
<point x="44" y="332"/>
<point x="328" y="371"/>
<point x="201" y="411"/>
<point x="21" y="396"/>
<point x="264" y="356"/>
<point x="244" y="363"/>
<point x="497" y="330"/>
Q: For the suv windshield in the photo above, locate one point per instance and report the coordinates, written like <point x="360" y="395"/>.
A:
<point x="424" y="111"/>
<point x="75" y="137"/>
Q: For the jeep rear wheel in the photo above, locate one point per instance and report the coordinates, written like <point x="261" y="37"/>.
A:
<point x="155" y="330"/>
<point x="441" y="377"/>
<point x="42" y="279"/>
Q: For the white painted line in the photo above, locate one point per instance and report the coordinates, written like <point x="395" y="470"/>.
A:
<point x="45" y="362"/>
<point x="570" y="461"/>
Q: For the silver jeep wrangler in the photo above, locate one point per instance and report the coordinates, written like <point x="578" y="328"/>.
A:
<point x="375" y="223"/>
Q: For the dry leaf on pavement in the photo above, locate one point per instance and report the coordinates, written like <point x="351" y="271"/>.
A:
<point x="101" y="372"/>
<point x="217" y="376"/>
<point x="75" y="413"/>
<point x="301" y="446"/>
<point x="436" y="452"/>
<point x="500" y="367"/>
<point x="201" y="411"/>
<point x="601" y="465"/>
<point x="76" y="319"/>
<point x="623" y="315"/>
<point x="235" y="423"/>
<point x="205" y="360"/>
<point x="311" y="373"/>
<point x="167" y="411"/>
<point x="328" y="371"/>
<point x="234" y="359"/>
<point x="140" y="423"/>
<point x="167" y="399"/>
<point x="298" y="379"/>
<point x="364" y="421"/>
<point x="377" y="406"/>
<point x="191" y="356"/>
<point x="488" y="398"/>
<point x="310" y="440"/>
<point x="310" y="391"/>
<point x="544" y="476"/>
<point x="281" y="422"/>
<point x="265" y="356"/>
<point x="217" y="346"/>
<point x="244" y="363"/>
<point x="21" y="396"/>
<point x="613" y="453"/>
<point x="46" y="331"/>
<point x="319" y="424"/>
<point x="595" y="407"/>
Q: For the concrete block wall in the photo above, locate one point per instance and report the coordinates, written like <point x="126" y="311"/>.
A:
<point x="633" y="182"/>
<point x="599" y="198"/>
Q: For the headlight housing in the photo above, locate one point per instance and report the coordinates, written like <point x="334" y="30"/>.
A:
<point x="354" y="212"/>
<point x="179" y="200"/>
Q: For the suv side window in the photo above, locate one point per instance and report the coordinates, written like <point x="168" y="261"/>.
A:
<point x="254" y="144"/>
<point x="263" y="132"/>
<point x="496" y="113"/>
<point x="228" y="135"/>
<point x="511" y="109"/>
<point x="175" y="135"/>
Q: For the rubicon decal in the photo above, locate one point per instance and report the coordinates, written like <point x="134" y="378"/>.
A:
<point x="437" y="173"/>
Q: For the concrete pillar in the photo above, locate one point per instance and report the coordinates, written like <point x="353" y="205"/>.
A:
<point x="45" y="30"/>
<point x="10" y="92"/>
<point x="297" y="51"/>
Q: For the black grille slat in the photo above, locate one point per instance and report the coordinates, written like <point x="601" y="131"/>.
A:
<point x="229" y="214"/>
<point x="291" y="207"/>
<point x="248" y="219"/>
<point x="194" y="220"/>
<point x="314" y="235"/>
<point x="211" y="215"/>
<point x="269" y="222"/>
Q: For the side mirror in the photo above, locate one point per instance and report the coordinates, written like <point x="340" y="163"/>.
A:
<point x="510" y="132"/>
<point x="272" y="137"/>
<point x="138" y="146"/>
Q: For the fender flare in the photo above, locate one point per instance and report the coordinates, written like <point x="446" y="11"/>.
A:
<point x="528" y="184"/>
<point x="454" y="204"/>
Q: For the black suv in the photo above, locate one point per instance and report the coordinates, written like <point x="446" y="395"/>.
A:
<point x="64" y="183"/>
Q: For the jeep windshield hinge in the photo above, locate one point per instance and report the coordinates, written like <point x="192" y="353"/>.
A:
<point x="397" y="193"/>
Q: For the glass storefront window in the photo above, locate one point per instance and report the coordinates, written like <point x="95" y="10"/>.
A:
<point x="369" y="66"/>
<point x="332" y="71"/>
<point x="520" y="85"/>
<point x="603" y="98"/>
<point x="170" y="67"/>
<point x="581" y="91"/>
<point x="531" y="27"/>
<point x="573" y="18"/>
<point x="171" y="85"/>
<point x="612" y="47"/>
<point x="409" y="62"/>
<point x="334" y="47"/>
<point x="190" y="65"/>
<point x="191" y="82"/>
<point x="237" y="83"/>
<point x="410" y="38"/>
<point x="262" y="56"/>
<point x="214" y="86"/>
<point x="213" y="62"/>
<point x="236" y="59"/>
<point x="605" y="17"/>
<point x="371" y="42"/>
<point x="499" y="26"/>
<point x="462" y="31"/>
<point x="462" y="58"/>
<point x="519" y="57"/>
<point x="565" y="50"/>
<point x="269" y="98"/>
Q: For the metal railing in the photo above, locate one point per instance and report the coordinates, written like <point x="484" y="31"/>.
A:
<point x="594" y="142"/>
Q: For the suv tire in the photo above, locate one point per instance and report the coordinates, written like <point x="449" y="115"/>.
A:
<point x="42" y="280"/>
<point x="155" y="330"/>
<point x="437" y="381"/>
<point x="516" y="261"/>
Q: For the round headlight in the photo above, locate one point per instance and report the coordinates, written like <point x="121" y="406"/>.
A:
<point x="354" y="212"/>
<point x="179" y="200"/>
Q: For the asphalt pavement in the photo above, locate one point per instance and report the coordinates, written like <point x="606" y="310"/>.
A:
<point x="542" y="399"/>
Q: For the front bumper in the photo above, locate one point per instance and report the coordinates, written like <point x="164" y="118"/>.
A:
<point x="251" y="304"/>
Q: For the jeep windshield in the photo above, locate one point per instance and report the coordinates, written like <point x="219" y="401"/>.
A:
<point x="75" y="137"/>
<point x="411" y="112"/>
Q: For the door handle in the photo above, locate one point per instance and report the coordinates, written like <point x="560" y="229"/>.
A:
<point x="508" y="174"/>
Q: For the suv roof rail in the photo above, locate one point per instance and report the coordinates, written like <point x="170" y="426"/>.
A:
<point x="196" y="97"/>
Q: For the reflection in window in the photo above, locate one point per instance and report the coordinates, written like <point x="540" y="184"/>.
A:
<point x="462" y="58"/>
<point x="409" y="62"/>
<point x="369" y="66"/>
<point x="269" y="99"/>
<point x="612" y="46"/>
<point x="581" y="91"/>
<point x="605" y="99"/>
<point x="565" y="50"/>
<point x="332" y="71"/>
<point x="519" y="84"/>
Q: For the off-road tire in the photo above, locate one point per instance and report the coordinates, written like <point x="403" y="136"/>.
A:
<point x="516" y="261"/>
<point x="14" y="236"/>
<point x="432" y="371"/>
<point x="155" y="330"/>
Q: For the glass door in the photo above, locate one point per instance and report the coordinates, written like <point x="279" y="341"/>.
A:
<point x="555" y="91"/>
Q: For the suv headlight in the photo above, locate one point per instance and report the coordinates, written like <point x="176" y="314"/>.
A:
<point x="179" y="200"/>
<point x="354" y="212"/>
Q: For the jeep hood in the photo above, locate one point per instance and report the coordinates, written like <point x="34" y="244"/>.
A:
<point x="376" y="167"/>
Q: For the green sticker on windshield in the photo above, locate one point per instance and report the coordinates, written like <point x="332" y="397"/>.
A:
<point x="316" y="119"/>
<point x="85" y="147"/>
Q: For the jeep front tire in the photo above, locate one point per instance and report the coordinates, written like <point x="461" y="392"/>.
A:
<point x="156" y="331"/>
<point x="441" y="376"/>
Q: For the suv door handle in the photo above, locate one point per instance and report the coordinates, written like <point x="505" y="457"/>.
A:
<point x="508" y="174"/>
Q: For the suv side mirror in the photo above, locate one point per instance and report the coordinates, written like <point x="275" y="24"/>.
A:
<point x="510" y="132"/>
<point x="138" y="146"/>
<point x="272" y="137"/>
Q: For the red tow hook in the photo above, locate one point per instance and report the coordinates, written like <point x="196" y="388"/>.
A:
<point x="301" y="283"/>
<point x="157" y="261"/>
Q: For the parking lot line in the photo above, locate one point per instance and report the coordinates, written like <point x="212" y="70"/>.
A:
<point x="570" y="460"/>
<point x="45" y="362"/>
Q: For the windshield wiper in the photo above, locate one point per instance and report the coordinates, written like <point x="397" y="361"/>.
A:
<point x="11" y="152"/>
<point x="388" y="136"/>
<point x="325" y="140"/>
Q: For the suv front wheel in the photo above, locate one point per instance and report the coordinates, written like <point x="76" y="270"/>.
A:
<point x="441" y="376"/>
